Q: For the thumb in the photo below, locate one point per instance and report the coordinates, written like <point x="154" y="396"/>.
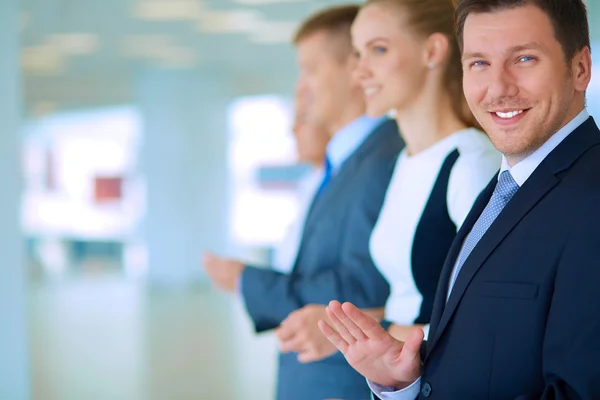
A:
<point x="412" y="345"/>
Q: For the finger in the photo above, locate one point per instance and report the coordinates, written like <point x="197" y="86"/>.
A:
<point x="295" y="344"/>
<point x="285" y="332"/>
<point x="356" y="332"/>
<point x="339" y="326"/>
<point x="334" y="337"/>
<point x="412" y="345"/>
<point x="367" y="325"/>
<point x="314" y="353"/>
<point x="290" y="346"/>
<point x="308" y="356"/>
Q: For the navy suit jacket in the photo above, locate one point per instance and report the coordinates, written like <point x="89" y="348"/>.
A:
<point x="333" y="263"/>
<point x="523" y="319"/>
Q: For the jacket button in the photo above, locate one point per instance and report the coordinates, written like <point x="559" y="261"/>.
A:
<point x="426" y="390"/>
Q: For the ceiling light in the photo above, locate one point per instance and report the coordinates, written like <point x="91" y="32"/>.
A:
<point x="42" y="60"/>
<point x="274" y="32"/>
<point x="236" y="21"/>
<point x="142" y="45"/>
<point x="167" y="10"/>
<point x="262" y="2"/>
<point x="74" y="43"/>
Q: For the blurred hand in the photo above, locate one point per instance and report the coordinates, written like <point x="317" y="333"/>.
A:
<point x="300" y="333"/>
<point x="223" y="272"/>
<point x="402" y="332"/>
<point x="370" y="350"/>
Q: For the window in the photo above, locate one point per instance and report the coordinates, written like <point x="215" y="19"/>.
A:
<point x="262" y="163"/>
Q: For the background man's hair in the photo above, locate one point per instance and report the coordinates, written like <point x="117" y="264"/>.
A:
<point x="334" y="21"/>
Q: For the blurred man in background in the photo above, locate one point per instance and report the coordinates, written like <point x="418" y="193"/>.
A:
<point x="311" y="143"/>
<point x="333" y="260"/>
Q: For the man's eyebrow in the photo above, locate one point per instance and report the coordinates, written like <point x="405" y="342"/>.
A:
<point x="514" y="49"/>
<point x="468" y="56"/>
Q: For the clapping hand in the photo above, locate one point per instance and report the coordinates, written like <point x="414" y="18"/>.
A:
<point x="370" y="350"/>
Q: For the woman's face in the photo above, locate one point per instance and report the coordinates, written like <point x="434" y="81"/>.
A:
<point x="392" y="65"/>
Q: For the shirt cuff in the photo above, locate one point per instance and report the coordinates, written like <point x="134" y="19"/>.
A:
<point x="389" y="393"/>
<point x="426" y="331"/>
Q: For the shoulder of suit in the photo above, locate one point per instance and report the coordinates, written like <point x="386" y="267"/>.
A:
<point x="389" y="142"/>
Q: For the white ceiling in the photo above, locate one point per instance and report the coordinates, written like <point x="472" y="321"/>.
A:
<point x="79" y="53"/>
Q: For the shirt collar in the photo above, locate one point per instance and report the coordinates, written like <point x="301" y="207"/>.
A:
<point x="523" y="170"/>
<point x="345" y="141"/>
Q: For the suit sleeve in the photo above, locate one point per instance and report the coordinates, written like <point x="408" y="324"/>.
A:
<point x="270" y="296"/>
<point x="572" y="339"/>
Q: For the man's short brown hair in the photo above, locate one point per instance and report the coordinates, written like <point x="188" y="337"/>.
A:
<point x="335" y="21"/>
<point x="568" y="17"/>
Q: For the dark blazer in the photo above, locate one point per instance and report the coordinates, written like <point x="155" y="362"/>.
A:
<point x="523" y="319"/>
<point x="333" y="263"/>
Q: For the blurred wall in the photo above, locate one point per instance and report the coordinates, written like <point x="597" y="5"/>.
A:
<point x="14" y="381"/>
<point x="594" y="19"/>
<point x="184" y="161"/>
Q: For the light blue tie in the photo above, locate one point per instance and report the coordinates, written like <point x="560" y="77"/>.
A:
<point x="504" y="191"/>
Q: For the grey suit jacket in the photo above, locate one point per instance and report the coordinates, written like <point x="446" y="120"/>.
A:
<point x="333" y="262"/>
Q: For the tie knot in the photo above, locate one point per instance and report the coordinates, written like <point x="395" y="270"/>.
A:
<point x="507" y="186"/>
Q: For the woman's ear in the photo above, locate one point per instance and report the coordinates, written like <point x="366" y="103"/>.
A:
<point x="436" y="50"/>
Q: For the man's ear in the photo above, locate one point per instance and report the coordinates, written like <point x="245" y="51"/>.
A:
<point x="581" y="69"/>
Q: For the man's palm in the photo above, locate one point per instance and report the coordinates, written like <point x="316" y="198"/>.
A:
<point x="370" y="349"/>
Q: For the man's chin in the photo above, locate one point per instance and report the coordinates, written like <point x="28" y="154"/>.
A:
<point x="503" y="131"/>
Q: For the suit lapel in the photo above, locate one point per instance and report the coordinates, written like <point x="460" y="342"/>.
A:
<point x="323" y="201"/>
<point x="329" y="196"/>
<point x="533" y="190"/>
<point x="442" y="288"/>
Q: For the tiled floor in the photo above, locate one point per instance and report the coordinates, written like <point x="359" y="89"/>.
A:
<point x="106" y="339"/>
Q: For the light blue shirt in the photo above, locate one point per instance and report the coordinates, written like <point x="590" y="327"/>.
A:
<point x="520" y="172"/>
<point x="348" y="139"/>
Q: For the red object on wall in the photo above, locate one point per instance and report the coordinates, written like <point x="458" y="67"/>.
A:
<point x="108" y="189"/>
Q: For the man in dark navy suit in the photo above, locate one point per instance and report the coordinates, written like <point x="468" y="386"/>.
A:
<point x="517" y="310"/>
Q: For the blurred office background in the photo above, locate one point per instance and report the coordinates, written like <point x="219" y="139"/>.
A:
<point x="135" y="134"/>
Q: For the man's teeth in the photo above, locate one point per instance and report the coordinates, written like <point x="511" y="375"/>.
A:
<point x="370" y="91"/>
<point x="508" y="115"/>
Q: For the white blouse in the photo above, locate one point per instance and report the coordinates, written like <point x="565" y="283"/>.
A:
<point x="408" y="193"/>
